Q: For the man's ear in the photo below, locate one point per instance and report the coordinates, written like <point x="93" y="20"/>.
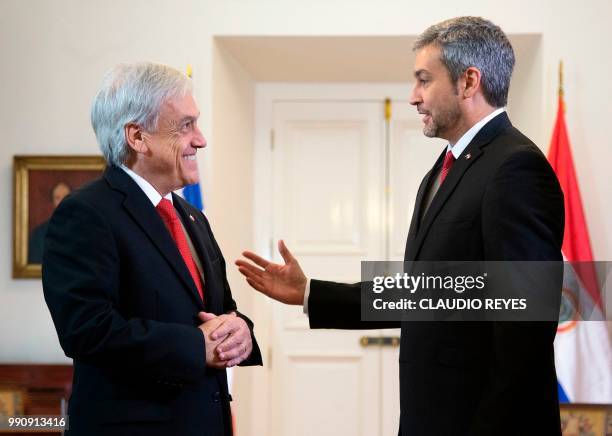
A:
<point x="470" y="82"/>
<point x="134" y="135"/>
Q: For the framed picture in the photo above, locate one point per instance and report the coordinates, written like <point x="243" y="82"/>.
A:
<point x="11" y="403"/>
<point x="40" y="183"/>
<point x="586" y="419"/>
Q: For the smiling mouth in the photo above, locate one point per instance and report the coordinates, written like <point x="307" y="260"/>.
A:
<point x="189" y="157"/>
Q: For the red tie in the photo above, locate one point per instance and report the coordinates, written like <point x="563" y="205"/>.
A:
<point x="446" y="165"/>
<point x="172" y="222"/>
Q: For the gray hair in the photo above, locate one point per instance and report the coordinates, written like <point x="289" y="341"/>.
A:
<point x="132" y="93"/>
<point x="474" y="42"/>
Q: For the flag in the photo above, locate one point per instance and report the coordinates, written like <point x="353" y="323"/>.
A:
<point x="583" y="353"/>
<point x="193" y="195"/>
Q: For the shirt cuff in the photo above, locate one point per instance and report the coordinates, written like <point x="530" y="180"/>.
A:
<point x="306" y="295"/>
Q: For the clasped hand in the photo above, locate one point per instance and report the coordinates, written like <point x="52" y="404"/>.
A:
<point x="227" y="339"/>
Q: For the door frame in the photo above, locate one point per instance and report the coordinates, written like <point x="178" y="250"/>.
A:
<point x="266" y="94"/>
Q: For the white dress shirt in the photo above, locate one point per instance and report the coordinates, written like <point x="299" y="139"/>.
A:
<point x="467" y="137"/>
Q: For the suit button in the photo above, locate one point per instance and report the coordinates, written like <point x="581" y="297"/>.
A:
<point x="216" y="397"/>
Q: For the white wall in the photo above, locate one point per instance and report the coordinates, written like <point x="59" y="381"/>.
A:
<point x="53" y="54"/>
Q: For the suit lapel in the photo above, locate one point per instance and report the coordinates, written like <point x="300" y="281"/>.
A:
<point x="424" y="189"/>
<point x="470" y="155"/>
<point x="140" y="208"/>
<point x="415" y="222"/>
<point x="450" y="183"/>
<point x="203" y="245"/>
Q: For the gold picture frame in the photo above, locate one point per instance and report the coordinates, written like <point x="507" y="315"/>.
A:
<point x="586" y="419"/>
<point x="12" y="402"/>
<point x="39" y="183"/>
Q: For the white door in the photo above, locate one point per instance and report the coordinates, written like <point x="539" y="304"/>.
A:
<point x="343" y="187"/>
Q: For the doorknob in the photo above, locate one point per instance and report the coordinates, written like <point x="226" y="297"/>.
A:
<point x="381" y="341"/>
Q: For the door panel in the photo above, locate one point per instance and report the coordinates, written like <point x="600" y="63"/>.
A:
<point x="328" y="179"/>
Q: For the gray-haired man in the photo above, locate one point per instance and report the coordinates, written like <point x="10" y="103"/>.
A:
<point x="134" y="278"/>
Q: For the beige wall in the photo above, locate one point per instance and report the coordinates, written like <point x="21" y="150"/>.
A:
<point x="53" y="54"/>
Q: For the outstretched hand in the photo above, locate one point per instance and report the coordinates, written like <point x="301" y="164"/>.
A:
<point x="285" y="283"/>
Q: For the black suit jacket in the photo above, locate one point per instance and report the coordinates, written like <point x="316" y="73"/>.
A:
<point x="500" y="201"/>
<point x="125" y="309"/>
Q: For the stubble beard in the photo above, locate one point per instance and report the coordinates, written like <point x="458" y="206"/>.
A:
<point x="443" y="119"/>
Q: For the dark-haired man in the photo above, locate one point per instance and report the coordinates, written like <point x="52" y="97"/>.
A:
<point x="490" y="196"/>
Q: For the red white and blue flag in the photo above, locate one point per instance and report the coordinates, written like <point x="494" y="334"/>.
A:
<point x="583" y="353"/>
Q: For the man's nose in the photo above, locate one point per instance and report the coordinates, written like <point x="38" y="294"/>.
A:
<point x="414" y="97"/>
<point x="198" y="140"/>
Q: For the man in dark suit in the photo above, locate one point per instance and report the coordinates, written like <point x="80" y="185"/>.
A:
<point x="134" y="279"/>
<point x="491" y="196"/>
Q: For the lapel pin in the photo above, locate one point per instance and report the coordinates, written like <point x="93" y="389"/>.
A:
<point x="192" y="218"/>
<point x="468" y="156"/>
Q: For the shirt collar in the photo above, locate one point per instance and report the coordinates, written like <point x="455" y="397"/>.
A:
<point x="467" y="137"/>
<point x="146" y="187"/>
